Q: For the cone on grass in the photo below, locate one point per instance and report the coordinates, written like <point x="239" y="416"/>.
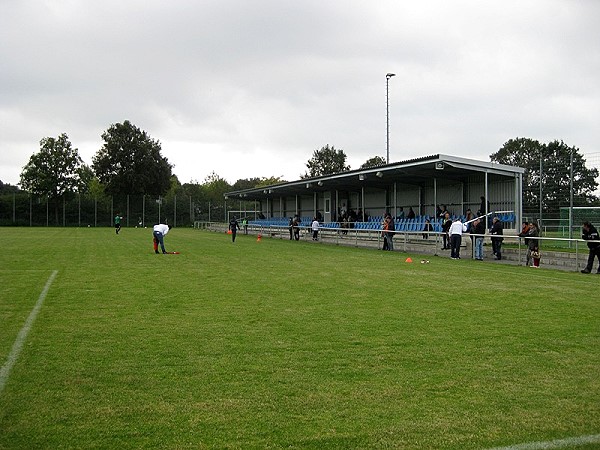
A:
<point x="409" y="260"/>
<point x="258" y="237"/>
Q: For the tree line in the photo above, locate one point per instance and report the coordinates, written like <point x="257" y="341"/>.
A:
<point x="130" y="163"/>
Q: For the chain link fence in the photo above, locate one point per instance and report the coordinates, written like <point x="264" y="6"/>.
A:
<point x="23" y="209"/>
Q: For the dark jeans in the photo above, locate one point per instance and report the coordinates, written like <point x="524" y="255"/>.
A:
<point x="594" y="253"/>
<point x="159" y="237"/>
<point x="445" y="240"/>
<point x="497" y="247"/>
<point x="455" y="241"/>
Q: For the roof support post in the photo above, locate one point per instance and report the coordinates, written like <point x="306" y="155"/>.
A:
<point x="435" y="202"/>
<point x="362" y="189"/>
<point x="395" y="200"/>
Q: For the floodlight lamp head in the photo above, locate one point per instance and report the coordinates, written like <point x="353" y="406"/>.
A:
<point x="390" y="75"/>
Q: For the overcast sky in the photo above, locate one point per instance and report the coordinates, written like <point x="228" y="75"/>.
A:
<point x="251" y="88"/>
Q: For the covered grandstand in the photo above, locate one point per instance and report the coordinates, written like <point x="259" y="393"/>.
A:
<point x="419" y="184"/>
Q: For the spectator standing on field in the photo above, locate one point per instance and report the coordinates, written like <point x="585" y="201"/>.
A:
<point x="384" y="227"/>
<point x="233" y="226"/>
<point x="457" y="228"/>
<point x="590" y="234"/>
<point x="315" y="229"/>
<point x="496" y="231"/>
<point x="533" y="249"/>
<point x="296" y="227"/>
<point x="391" y="228"/>
<point x="118" y="219"/>
<point x="446" y="223"/>
<point x="159" y="232"/>
<point x="478" y="229"/>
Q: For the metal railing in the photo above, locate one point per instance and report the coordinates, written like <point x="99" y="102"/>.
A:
<point x="563" y="252"/>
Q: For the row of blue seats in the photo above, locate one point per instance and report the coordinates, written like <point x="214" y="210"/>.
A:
<point x="416" y="224"/>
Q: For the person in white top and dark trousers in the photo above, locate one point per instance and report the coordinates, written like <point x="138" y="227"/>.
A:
<point x="315" y="229"/>
<point x="159" y="232"/>
<point x="456" y="230"/>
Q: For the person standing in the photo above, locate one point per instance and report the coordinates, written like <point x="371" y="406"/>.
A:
<point x="233" y="226"/>
<point x="391" y="230"/>
<point x="384" y="228"/>
<point x="533" y="249"/>
<point x="457" y="228"/>
<point x="446" y="223"/>
<point x="159" y="232"/>
<point x="245" y="224"/>
<point x="315" y="229"/>
<point x="478" y="229"/>
<point x="296" y="227"/>
<point x="427" y="228"/>
<point x="118" y="219"/>
<point x="291" y="228"/>
<point x="590" y="234"/>
<point x="497" y="231"/>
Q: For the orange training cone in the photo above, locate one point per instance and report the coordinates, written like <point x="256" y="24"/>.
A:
<point x="258" y="237"/>
<point x="409" y="259"/>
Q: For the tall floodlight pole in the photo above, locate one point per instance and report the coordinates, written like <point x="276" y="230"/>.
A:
<point x="387" y="101"/>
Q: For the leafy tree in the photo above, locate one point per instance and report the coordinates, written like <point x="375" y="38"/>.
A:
<point x="86" y="175"/>
<point x="326" y="161"/>
<point x="214" y="187"/>
<point x="54" y="171"/>
<point x="130" y="162"/>
<point x="555" y="176"/>
<point x="270" y="181"/>
<point x="245" y="183"/>
<point x="95" y="189"/>
<point x="6" y="188"/>
<point x="375" y="161"/>
<point x="175" y="188"/>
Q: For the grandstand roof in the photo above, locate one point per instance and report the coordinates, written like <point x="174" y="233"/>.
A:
<point x="418" y="172"/>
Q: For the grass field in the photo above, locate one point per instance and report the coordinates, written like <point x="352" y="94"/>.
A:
<point x="280" y="344"/>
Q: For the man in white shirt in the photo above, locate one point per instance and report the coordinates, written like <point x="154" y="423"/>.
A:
<point x="159" y="232"/>
<point x="315" y="229"/>
<point x="456" y="230"/>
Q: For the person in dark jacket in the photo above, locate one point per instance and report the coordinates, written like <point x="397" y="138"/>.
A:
<point x="478" y="229"/>
<point x="533" y="249"/>
<point x="446" y="222"/>
<point x="233" y="227"/>
<point x="590" y="234"/>
<point x="496" y="231"/>
<point x="426" y="228"/>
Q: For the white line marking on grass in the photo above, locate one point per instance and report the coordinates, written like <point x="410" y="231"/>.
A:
<point x="559" y="443"/>
<point x="18" y="345"/>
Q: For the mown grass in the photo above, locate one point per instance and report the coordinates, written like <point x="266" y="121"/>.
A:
<point x="288" y="344"/>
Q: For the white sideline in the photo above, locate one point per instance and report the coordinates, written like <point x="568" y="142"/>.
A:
<point x="18" y="345"/>
<point x="559" y="443"/>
